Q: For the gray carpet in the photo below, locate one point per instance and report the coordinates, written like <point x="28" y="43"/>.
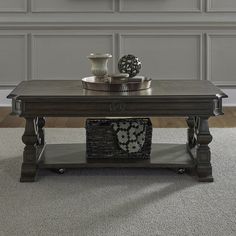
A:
<point x="118" y="202"/>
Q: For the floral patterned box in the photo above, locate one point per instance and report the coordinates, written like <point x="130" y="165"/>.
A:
<point x="118" y="138"/>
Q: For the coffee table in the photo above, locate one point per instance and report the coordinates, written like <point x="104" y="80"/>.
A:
<point x="196" y="100"/>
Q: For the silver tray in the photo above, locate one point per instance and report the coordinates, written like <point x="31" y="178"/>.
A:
<point x="132" y="84"/>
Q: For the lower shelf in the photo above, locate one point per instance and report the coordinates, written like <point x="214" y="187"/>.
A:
<point x="74" y="156"/>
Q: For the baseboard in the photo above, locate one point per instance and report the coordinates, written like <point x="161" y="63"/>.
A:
<point x="4" y="102"/>
<point x="229" y="102"/>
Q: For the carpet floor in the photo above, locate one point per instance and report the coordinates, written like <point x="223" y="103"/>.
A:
<point x="119" y="202"/>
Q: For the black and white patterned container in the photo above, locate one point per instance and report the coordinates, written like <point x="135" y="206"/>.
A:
<point x="118" y="138"/>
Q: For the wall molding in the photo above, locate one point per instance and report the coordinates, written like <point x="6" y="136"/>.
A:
<point x="25" y="37"/>
<point x="209" y="37"/>
<point x="34" y="10"/>
<point x="198" y="35"/>
<point x="16" y="10"/>
<point x="197" y="10"/>
<point x="74" y="25"/>
<point x="210" y="8"/>
<point x="33" y="36"/>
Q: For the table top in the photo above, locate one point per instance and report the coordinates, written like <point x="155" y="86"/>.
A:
<point x="73" y="88"/>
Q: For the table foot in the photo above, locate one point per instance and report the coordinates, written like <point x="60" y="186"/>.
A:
<point x="203" y="154"/>
<point x="204" y="174"/>
<point x="28" y="173"/>
<point x="207" y="179"/>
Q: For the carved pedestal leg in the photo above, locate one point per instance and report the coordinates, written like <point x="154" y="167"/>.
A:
<point x="191" y="130"/>
<point x="204" y="169"/>
<point x="40" y="129"/>
<point x="29" y="165"/>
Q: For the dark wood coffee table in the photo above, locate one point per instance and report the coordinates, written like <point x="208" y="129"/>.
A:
<point x="195" y="100"/>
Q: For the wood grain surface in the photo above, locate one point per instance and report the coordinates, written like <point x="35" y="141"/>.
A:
<point x="73" y="88"/>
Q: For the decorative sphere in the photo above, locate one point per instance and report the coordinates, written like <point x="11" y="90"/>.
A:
<point x="129" y="64"/>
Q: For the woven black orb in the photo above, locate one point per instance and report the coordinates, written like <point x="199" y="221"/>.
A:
<point x="129" y="64"/>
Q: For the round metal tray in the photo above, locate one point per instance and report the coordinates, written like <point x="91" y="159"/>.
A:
<point x="132" y="84"/>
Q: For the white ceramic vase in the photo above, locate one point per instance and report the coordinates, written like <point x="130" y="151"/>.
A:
<point x="99" y="64"/>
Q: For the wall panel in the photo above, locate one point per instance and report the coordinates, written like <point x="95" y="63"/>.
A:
<point x="72" y="6"/>
<point x="13" y="6"/>
<point x="166" y="56"/>
<point x="13" y="59"/>
<point x="221" y="59"/>
<point x="221" y="5"/>
<point x="64" y="56"/>
<point x="160" y="6"/>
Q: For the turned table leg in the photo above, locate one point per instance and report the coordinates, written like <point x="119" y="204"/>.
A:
<point x="40" y="130"/>
<point x="29" y="166"/>
<point x="203" y="154"/>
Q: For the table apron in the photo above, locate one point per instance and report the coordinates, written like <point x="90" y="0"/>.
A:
<point x="118" y="108"/>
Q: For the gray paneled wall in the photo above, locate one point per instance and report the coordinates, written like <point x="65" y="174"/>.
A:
<point x="166" y="55"/>
<point x="63" y="55"/>
<point x="221" y="55"/>
<point x="221" y="5"/>
<point x="13" y="6"/>
<point x="72" y="6"/>
<point x="160" y="6"/>
<point x="175" y="39"/>
<point x="13" y="58"/>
